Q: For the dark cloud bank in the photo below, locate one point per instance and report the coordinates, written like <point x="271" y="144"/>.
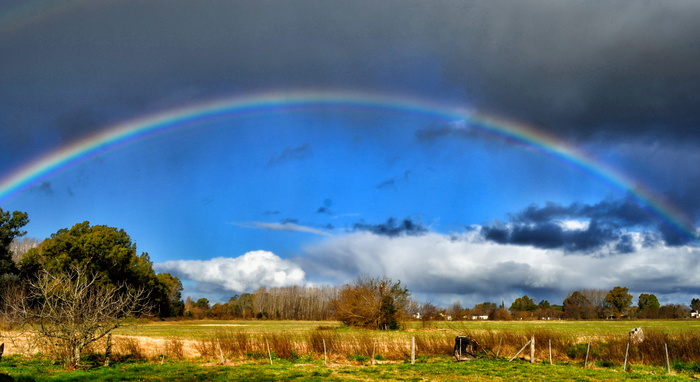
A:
<point x="608" y="223"/>
<point x="623" y="68"/>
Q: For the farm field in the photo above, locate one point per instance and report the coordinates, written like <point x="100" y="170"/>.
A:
<point x="184" y="350"/>
<point x="197" y="329"/>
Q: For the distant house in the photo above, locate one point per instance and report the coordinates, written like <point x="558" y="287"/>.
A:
<point x="694" y="314"/>
<point x="482" y="317"/>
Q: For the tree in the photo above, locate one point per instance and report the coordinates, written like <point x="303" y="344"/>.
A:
<point x="484" y="309"/>
<point x="619" y="300"/>
<point x="22" y="245"/>
<point x="523" y="304"/>
<point x="377" y="303"/>
<point x="576" y="306"/>
<point x="596" y="297"/>
<point x="169" y="296"/>
<point x="10" y="228"/>
<point x="695" y="304"/>
<point x="72" y="310"/>
<point x="648" y="306"/>
<point x="106" y="252"/>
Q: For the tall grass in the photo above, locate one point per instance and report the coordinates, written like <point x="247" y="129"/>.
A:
<point x="341" y="345"/>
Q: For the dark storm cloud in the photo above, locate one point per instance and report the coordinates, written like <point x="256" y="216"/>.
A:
<point x="608" y="223"/>
<point x="291" y="154"/>
<point x="393" y="228"/>
<point x="575" y="68"/>
<point x="551" y="235"/>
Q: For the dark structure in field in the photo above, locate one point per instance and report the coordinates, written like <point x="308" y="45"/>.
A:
<point x="466" y="348"/>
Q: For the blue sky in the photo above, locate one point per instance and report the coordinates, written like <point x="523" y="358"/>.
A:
<point x="320" y="195"/>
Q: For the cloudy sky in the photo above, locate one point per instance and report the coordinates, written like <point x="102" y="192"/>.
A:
<point x="475" y="150"/>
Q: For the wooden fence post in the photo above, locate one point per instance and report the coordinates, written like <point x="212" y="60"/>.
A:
<point x="269" y="353"/>
<point x="668" y="361"/>
<point x="588" y="350"/>
<point x="325" y="357"/>
<point x="459" y="349"/>
<point x="550" y="351"/>
<point x="532" y="349"/>
<point x="413" y="350"/>
<point x="627" y="350"/>
<point x="500" y="339"/>
<point x="221" y="352"/>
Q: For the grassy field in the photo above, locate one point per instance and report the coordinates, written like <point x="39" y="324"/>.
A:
<point x="198" y="329"/>
<point x="440" y="369"/>
<point x="302" y="350"/>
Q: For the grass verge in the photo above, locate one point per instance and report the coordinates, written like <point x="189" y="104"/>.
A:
<point x="438" y="369"/>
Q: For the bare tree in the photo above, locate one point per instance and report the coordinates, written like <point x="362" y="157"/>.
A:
<point x="21" y="245"/>
<point x="72" y="310"/>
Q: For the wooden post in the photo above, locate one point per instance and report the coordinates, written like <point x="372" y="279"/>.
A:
<point x="413" y="350"/>
<point x="588" y="350"/>
<point x="624" y="367"/>
<point x="668" y="361"/>
<point x="108" y="350"/>
<point x="269" y="353"/>
<point x="459" y="351"/>
<point x="550" y="351"/>
<point x="500" y="339"/>
<point x="222" y="359"/>
<point x="325" y="357"/>
<point x="374" y="349"/>
<point x="520" y="351"/>
<point x="532" y="349"/>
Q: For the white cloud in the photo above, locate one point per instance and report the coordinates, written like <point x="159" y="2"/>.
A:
<point x="237" y="274"/>
<point x="444" y="266"/>
<point x="574" y="225"/>
<point x="288" y="227"/>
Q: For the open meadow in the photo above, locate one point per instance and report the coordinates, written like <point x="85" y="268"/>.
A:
<point x="315" y="350"/>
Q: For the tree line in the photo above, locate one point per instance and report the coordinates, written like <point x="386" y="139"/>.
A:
<point x="278" y="303"/>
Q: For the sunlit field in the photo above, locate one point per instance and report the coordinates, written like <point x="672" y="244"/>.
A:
<point x="313" y="350"/>
<point x="204" y="328"/>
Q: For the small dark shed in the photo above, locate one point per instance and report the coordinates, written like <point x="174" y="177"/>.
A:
<point x="466" y="348"/>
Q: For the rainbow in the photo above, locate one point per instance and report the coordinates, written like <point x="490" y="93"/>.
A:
<point x="140" y="129"/>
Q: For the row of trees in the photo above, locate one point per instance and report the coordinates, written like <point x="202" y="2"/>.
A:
<point x="578" y="305"/>
<point x="279" y="303"/>
<point x="375" y="303"/>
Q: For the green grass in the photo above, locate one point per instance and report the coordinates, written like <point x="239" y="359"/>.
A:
<point x="438" y="369"/>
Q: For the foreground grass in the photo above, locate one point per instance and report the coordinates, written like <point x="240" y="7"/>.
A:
<point x="439" y="369"/>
